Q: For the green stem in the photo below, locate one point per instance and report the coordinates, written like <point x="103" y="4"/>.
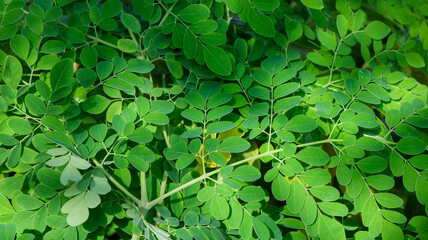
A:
<point x="165" y="176"/>
<point x="167" y="13"/>
<point x="144" y="198"/>
<point x="198" y="179"/>
<point x="163" y="185"/>
<point x="103" y="42"/>
<point x="319" y="142"/>
<point x="118" y="185"/>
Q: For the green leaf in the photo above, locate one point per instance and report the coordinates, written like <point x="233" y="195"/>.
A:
<point x="364" y="120"/>
<point x="217" y="60"/>
<point x="393" y="216"/>
<point x="296" y="199"/>
<point x="140" y="156"/>
<point x="20" y="126"/>
<point x="333" y="208"/>
<point x="260" y="23"/>
<point x="89" y="57"/>
<point x="193" y="115"/>
<point x="391" y="231"/>
<point x="234" y="6"/>
<point x="213" y="39"/>
<point x="342" y="25"/>
<point x="194" y="13"/>
<point x="219" y="127"/>
<point x="5" y="206"/>
<point x="34" y="23"/>
<point x="191" y="218"/>
<point x="12" y="16"/>
<point x="280" y="188"/>
<point x="388" y="200"/>
<point x="372" y="164"/>
<point x="287" y="103"/>
<point x="260" y="228"/>
<point x="316" y="176"/>
<point x="130" y="22"/>
<point x="204" y="27"/>
<point x="234" y="145"/>
<point x="77" y="210"/>
<point x="294" y="30"/>
<point x="369" y="144"/>
<point x="415" y="60"/>
<point x="419" y="161"/>
<point x="417" y="224"/>
<point x="421" y="189"/>
<point x="28" y="202"/>
<point x="104" y="69"/>
<point x="218" y="158"/>
<point x="20" y="46"/>
<point x="73" y="35"/>
<point x="380" y="182"/>
<point x="53" y="47"/>
<point x="139" y="66"/>
<point x="190" y="45"/>
<point x="127" y="45"/>
<point x="60" y="138"/>
<point x="313" y="156"/>
<point x="265" y="5"/>
<point x="86" y="77"/>
<point x="157" y="118"/>
<point x="301" y="123"/>
<point x="219" y="207"/>
<point x="251" y="194"/>
<point x="283" y="76"/>
<point x="14" y="156"/>
<point x="246" y="173"/>
<point x="316" y="4"/>
<point x="161" y="106"/>
<point x="176" y="150"/>
<point x="61" y="74"/>
<point x="95" y="104"/>
<point x="331" y="229"/>
<point x="411" y="146"/>
<point x="285" y="89"/>
<point x="377" y="30"/>
<point x="317" y="58"/>
<point x="184" y="161"/>
<point x="98" y="132"/>
<point x="111" y="9"/>
<point x="236" y="214"/>
<point x="12" y="71"/>
<point x="175" y="68"/>
<point x="392" y="117"/>
<point x="246" y="226"/>
<point x="206" y="194"/>
<point x="7" y="231"/>
<point x="327" y="40"/>
<point x="309" y="212"/>
<point x="141" y="135"/>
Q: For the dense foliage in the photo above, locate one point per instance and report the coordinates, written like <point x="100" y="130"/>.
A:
<point x="225" y="119"/>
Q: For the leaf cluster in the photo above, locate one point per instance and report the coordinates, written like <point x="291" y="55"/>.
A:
<point x="203" y="119"/>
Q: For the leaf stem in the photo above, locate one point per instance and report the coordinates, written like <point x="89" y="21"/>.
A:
<point x="103" y="42"/>
<point x="143" y="187"/>
<point x="167" y="13"/>
<point x="320" y="142"/>
<point x="118" y="185"/>
<point x="198" y="179"/>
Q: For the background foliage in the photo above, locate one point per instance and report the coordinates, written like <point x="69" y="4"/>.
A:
<point x="232" y="119"/>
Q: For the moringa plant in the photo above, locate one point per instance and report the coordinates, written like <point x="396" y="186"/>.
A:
<point x="225" y="119"/>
